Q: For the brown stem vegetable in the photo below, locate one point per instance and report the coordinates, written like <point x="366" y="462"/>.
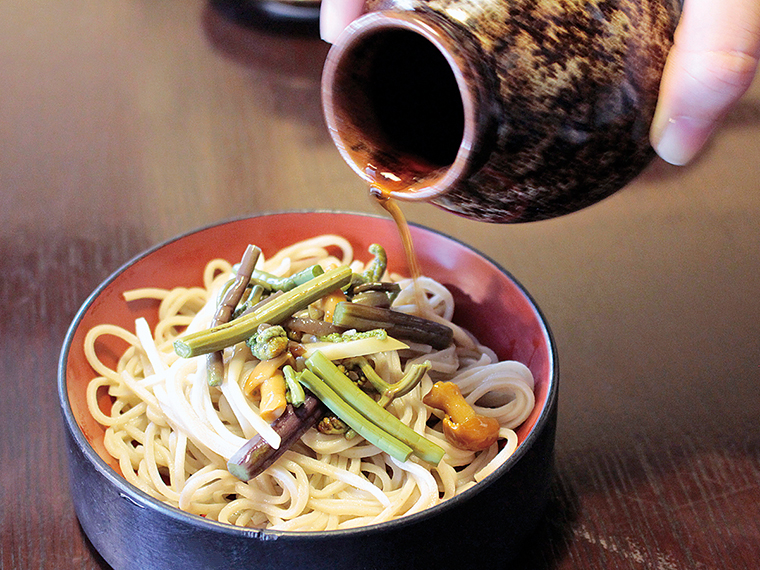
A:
<point x="463" y="427"/>
<point x="256" y="454"/>
<point x="230" y="299"/>
<point x="399" y="325"/>
<point x="376" y="294"/>
<point x="307" y="325"/>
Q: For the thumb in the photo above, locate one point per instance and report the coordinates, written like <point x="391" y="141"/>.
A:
<point x="711" y="65"/>
<point x="335" y="15"/>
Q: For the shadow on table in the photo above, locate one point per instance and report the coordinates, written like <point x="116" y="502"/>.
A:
<point x="548" y="544"/>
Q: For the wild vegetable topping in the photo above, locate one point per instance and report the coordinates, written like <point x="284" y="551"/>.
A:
<point x="274" y="312"/>
<point x="398" y="324"/>
<point x="264" y="370"/>
<point x="256" y="454"/>
<point x="390" y="391"/>
<point x="250" y="300"/>
<point x="375" y="294"/>
<point x="348" y="336"/>
<point x="296" y="394"/>
<point x="359" y="401"/>
<point x="369" y="430"/>
<point x="273" y="282"/>
<point x="230" y="298"/>
<point x="308" y="325"/>
<point x="273" y="398"/>
<point x="268" y="342"/>
<point x="332" y="425"/>
<point x="376" y="268"/>
<point x="463" y="427"/>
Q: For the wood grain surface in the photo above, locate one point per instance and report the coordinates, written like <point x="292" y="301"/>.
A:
<point x="124" y="123"/>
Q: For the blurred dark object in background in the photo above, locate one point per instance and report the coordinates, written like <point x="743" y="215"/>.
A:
<point x="299" y="17"/>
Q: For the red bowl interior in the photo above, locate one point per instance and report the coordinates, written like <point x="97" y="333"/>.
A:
<point x="489" y="302"/>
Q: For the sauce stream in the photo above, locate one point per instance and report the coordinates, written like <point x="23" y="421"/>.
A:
<point x="382" y="196"/>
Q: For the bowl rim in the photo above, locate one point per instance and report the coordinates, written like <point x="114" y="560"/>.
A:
<point x="143" y="500"/>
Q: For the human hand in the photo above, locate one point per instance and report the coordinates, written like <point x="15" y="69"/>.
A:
<point x="712" y="63"/>
<point x="335" y="15"/>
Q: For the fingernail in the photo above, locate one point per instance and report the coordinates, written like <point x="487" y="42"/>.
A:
<point x="679" y="139"/>
<point x="329" y="22"/>
<point x="335" y="16"/>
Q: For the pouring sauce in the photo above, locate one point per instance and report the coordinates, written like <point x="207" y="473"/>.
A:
<point x="380" y="190"/>
<point x="382" y="184"/>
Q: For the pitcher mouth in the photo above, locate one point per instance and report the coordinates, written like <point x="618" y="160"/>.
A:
<point x="398" y="104"/>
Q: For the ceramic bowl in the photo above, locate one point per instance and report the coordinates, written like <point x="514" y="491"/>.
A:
<point x="485" y="523"/>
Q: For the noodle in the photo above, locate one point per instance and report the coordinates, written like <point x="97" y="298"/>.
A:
<point x="172" y="434"/>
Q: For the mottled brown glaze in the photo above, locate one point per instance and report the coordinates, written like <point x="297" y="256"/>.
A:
<point x="570" y="90"/>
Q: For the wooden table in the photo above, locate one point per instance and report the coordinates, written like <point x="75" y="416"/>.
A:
<point x="126" y="122"/>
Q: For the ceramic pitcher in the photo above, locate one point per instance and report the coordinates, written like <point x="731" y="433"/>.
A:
<point x="499" y="110"/>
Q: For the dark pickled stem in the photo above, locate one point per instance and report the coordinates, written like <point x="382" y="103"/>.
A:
<point x="307" y="325"/>
<point x="256" y="454"/>
<point x="230" y="299"/>
<point x="397" y="324"/>
<point x="386" y="286"/>
<point x="372" y="299"/>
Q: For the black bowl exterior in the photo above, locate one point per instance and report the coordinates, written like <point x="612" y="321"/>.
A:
<point x="487" y="523"/>
<point x="132" y="533"/>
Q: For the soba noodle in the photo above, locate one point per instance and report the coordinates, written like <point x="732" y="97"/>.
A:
<point x="172" y="434"/>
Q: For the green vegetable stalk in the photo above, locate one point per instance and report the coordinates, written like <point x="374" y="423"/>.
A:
<point x="390" y="391"/>
<point x="274" y="312"/>
<point x="360" y="424"/>
<point x="295" y="393"/>
<point x="361" y="402"/>
<point x="286" y="283"/>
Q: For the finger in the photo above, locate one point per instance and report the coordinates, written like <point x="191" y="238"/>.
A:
<point x="335" y="15"/>
<point x="711" y="65"/>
